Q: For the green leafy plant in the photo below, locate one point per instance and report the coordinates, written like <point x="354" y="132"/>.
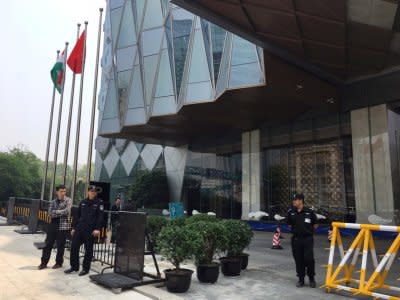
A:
<point x="178" y="222"/>
<point x="238" y="235"/>
<point x="201" y="217"/>
<point x="176" y="244"/>
<point x="154" y="225"/>
<point x="149" y="189"/>
<point x="211" y="239"/>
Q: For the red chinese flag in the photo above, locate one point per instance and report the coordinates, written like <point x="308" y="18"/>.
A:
<point x="75" y="59"/>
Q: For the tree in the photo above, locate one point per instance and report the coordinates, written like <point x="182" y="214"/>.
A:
<point x="20" y="174"/>
<point x="149" y="189"/>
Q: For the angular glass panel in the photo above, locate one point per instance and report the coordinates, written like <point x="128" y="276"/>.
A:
<point x="124" y="79"/>
<point x="205" y="26"/>
<point x="125" y="58"/>
<point x="150" y="67"/>
<point x="110" y="107"/>
<point x="182" y="22"/>
<point x="168" y="33"/>
<point x="223" y="76"/>
<point x="181" y="28"/>
<point x="154" y="15"/>
<point x="116" y="3"/>
<point x="243" y="52"/>
<point x="127" y="34"/>
<point x="243" y="75"/>
<point x="139" y="146"/>
<point x="136" y="92"/>
<point x="165" y="4"/>
<point x="199" y="92"/>
<point x="151" y="41"/>
<point x="164" y="80"/>
<point x="198" y="65"/>
<point x="116" y="15"/>
<point x="139" y="7"/>
<point x="135" y="116"/>
<point x="164" y="105"/>
<point x="217" y="41"/>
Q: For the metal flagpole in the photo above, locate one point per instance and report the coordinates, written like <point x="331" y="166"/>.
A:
<point x="59" y="124"/>
<point x="46" y="160"/>
<point x="71" y="105"/>
<point x="78" y="125"/>
<point x="96" y="72"/>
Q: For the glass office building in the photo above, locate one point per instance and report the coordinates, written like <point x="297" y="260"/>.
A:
<point x="238" y="127"/>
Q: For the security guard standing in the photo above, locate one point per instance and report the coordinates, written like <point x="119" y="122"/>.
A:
<point x="303" y="222"/>
<point x="85" y="228"/>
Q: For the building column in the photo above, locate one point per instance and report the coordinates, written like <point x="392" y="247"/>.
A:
<point x="175" y="163"/>
<point x="371" y="161"/>
<point x="251" y="173"/>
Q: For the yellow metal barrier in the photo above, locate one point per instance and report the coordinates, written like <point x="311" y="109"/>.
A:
<point x="363" y="242"/>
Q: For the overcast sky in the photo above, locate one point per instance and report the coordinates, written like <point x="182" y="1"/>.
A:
<point x="31" y="33"/>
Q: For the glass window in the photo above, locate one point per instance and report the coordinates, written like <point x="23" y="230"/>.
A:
<point x="115" y="21"/>
<point x="150" y="67"/>
<point x="136" y="92"/>
<point x="243" y="52"/>
<point x="164" y="80"/>
<point x="223" y="76"/>
<point x="205" y="26"/>
<point x="125" y="58"/>
<point x="151" y="41"/>
<point x="139" y="8"/>
<point x="127" y="35"/>
<point x="154" y="15"/>
<point x="217" y="41"/>
<point x="200" y="91"/>
<point x="243" y="75"/>
<point x="181" y="27"/>
<point x="198" y="64"/>
<point x="116" y="3"/>
<point x="110" y="108"/>
<point x="164" y="105"/>
<point x="124" y="79"/>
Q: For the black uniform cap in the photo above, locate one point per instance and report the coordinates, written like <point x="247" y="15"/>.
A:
<point x="298" y="196"/>
<point x="92" y="188"/>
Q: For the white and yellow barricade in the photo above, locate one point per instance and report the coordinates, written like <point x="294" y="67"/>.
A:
<point x="341" y="277"/>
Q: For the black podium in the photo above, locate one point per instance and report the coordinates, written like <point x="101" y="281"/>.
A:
<point x="128" y="269"/>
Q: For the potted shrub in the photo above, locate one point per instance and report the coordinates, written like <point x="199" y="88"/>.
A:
<point x="175" y="243"/>
<point x="239" y="235"/>
<point x="154" y="225"/>
<point x="210" y="240"/>
<point x="201" y="217"/>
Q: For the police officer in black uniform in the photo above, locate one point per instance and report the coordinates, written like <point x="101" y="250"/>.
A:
<point x="303" y="222"/>
<point x="85" y="228"/>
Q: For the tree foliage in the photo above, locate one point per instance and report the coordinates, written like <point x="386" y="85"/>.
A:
<point x="20" y="174"/>
<point x="150" y="189"/>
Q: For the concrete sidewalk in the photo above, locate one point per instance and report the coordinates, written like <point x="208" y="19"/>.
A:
<point x="20" y="278"/>
<point x="270" y="275"/>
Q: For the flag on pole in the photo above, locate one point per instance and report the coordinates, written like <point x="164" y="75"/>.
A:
<point x="75" y="59"/>
<point x="57" y="73"/>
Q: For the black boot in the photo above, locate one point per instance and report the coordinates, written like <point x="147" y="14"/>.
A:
<point x="300" y="283"/>
<point x="313" y="284"/>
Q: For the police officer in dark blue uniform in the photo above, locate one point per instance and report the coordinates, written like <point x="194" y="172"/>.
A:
<point x="85" y="228"/>
<point x="303" y="222"/>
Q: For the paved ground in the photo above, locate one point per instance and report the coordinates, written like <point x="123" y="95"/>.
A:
<point x="20" y="278"/>
<point x="270" y="275"/>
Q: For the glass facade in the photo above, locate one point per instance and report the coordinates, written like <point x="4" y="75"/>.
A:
<point x="158" y="58"/>
<point x="212" y="183"/>
<point x="312" y="158"/>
